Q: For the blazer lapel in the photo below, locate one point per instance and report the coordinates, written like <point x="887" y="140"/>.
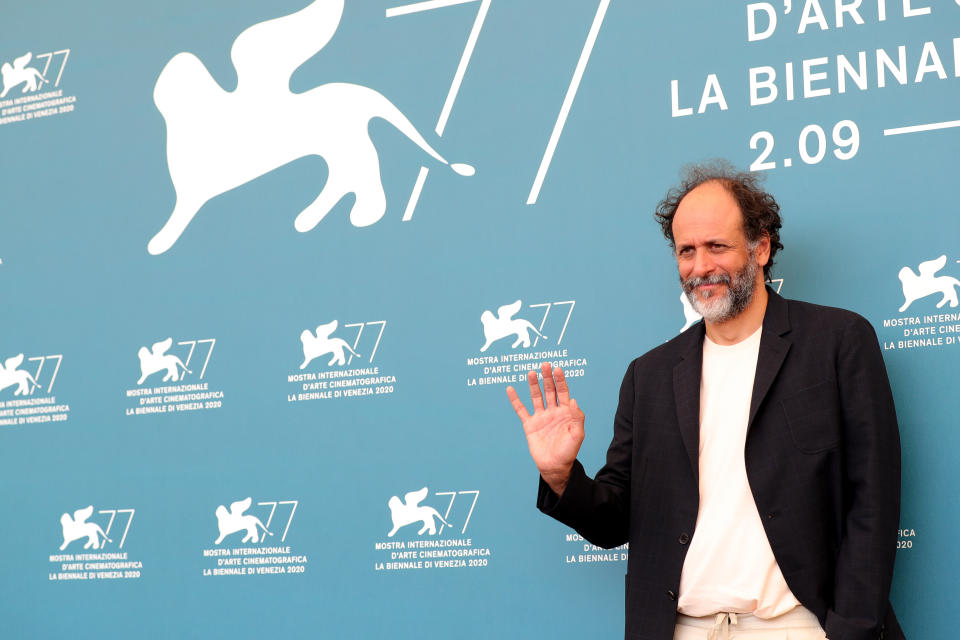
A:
<point x="686" y="393"/>
<point x="773" y="350"/>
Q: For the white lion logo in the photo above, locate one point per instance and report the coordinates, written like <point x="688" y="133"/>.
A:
<point x="690" y="315"/>
<point x="218" y="140"/>
<point x="77" y="527"/>
<point x="233" y="520"/>
<point x="926" y="283"/>
<point x="409" y="512"/>
<point x="10" y="375"/>
<point x="321" y="344"/>
<point x="503" y="325"/>
<point x="18" y="73"/>
<point x="157" y="359"/>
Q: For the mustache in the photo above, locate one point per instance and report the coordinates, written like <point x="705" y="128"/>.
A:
<point x="692" y="282"/>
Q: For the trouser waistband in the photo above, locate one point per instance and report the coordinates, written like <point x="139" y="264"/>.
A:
<point x="796" y="617"/>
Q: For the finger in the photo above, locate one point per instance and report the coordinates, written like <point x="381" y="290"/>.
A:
<point x="535" y="393"/>
<point x="549" y="388"/>
<point x="563" y="391"/>
<point x="517" y="404"/>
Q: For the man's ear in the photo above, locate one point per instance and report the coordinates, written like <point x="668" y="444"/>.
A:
<point x="763" y="249"/>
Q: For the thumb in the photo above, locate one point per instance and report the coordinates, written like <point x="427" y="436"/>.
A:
<point x="576" y="407"/>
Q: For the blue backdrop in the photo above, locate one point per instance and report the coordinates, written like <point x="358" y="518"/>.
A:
<point x="190" y="446"/>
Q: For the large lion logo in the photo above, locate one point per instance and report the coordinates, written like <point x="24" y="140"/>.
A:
<point x="77" y="527"/>
<point x="927" y="284"/>
<point x="20" y="73"/>
<point x="157" y="359"/>
<point x="234" y="520"/>
<point x="218" y="140"/>
<point x="10" y="375"/>
<point x="410" y="511"/>
<point x="321" y="344"/>
<point x="504" y="324"/>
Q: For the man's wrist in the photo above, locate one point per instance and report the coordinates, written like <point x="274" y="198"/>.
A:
<point x="556" y="480"/>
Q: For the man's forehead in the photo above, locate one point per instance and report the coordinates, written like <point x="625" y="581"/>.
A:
<point x="710" y="194"/>
<point x="708" y="208"/>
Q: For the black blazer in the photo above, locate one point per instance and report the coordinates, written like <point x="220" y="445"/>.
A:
<point x="822" y="457"/>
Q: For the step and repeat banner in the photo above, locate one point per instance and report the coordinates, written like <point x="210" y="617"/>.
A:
<point x="268" y="267"/>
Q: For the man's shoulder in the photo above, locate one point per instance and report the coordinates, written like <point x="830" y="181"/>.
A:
<point x="803" y="319"/>
<point x="673" y="350"/>
<point x="807" y="316"/>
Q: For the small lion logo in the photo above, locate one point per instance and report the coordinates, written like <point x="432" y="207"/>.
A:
<point x="690" y="315"/>
<point x="19" y="73"/>
<point x="504" y="324"/>
<point x="321" y="344"/>
<point x="926" y="283"/>
<point x="234" y="520"/>
<point x="77" y="527"/>
<point x="410" y="511"/>
<point x="157" y="359"/>
<point x="10" y="375"/>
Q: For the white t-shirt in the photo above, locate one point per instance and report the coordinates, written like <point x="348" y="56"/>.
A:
<point x="730" y="566"/>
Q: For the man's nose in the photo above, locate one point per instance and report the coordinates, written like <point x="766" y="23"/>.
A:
<point x="703" y="263"/>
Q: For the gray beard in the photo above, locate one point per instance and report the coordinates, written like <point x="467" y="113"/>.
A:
<point x="729" y="305"/>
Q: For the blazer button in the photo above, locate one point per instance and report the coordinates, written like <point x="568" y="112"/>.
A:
<point x="671" y="595"/>
<point x="683" y="539"/>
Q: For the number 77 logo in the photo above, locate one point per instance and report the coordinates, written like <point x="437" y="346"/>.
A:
<point x="453" y="496"/>
<point x="454" y="90"/>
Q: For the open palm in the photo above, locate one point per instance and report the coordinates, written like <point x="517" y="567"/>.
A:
<point x="555" y="429"/>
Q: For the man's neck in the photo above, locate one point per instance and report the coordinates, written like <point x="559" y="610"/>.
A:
<point x="744" y="324"/>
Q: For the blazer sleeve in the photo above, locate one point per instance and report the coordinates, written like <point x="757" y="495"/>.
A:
<point x="599" y="508"/>
<point x="871" y="489"/>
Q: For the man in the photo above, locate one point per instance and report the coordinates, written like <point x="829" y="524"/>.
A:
<point x="755" y="461"/>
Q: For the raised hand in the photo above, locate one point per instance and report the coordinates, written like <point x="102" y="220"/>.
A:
<point x="555" y="430"/>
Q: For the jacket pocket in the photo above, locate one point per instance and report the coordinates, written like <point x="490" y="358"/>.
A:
<point x="813" y="416"/>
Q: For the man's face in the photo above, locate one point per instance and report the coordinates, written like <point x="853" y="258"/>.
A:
<point x="719" y="270"/>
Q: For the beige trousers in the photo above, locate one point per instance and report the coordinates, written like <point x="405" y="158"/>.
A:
<point x="798" y="624"/>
